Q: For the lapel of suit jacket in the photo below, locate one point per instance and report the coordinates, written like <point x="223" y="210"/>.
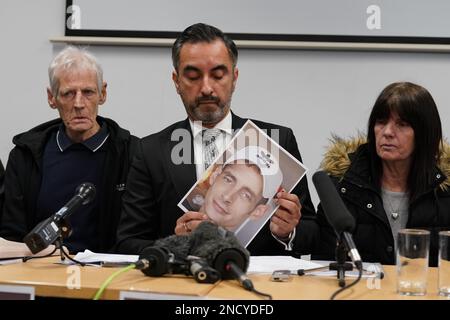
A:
<point x="237" y="122"/>
<point x="183" y="175"/>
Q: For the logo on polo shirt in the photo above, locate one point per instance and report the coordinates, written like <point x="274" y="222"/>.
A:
<point x="120" y="187"/>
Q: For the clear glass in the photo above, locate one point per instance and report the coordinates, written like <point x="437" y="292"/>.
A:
<point x="413" y="246"/>
<point x="444" y="263"/>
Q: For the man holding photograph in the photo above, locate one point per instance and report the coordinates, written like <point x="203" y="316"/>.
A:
<point x="205" y="75"/>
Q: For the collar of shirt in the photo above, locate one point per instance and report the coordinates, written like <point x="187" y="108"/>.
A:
<point x="93" y="143"/>
<point x="221" y="142"/>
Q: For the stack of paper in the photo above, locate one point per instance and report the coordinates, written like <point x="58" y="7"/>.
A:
<point x="268" y="264"/>
<point x="105" y="259"/>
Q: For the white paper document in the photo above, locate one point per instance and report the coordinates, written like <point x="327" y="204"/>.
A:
<point x="90" y="257"/>
<point x="370" y="270"/>
<point x="16" y="251"/>
<point x="268" y="264"/>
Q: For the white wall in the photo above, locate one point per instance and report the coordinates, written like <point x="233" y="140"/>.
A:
<point x="314" y="92"/>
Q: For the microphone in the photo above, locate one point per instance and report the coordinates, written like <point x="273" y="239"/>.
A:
<point x="222" y="251"/>
<point x="84" y="194"/>
<point x="201" y="271"/>
<point x="171" y="255"/>
<point x="47" y="231"/>
<point x="239" y="275"/>
<point x="337" y="214"/>
<point x="167" y="255"/>
<point x="208" y="254"/>
<point x="154" y="261"/>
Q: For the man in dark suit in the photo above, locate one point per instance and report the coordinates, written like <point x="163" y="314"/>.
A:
<point x="162" y="173"/>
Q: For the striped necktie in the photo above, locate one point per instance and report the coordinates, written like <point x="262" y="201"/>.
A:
<point x="210" y="151"/>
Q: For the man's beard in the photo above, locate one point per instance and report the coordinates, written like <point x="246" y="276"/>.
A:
<point x="209" y="117"/>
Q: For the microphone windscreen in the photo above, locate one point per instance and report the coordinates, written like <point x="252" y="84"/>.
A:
<point x="179" y="245"/>
<point x="158" y="259"/>
<point x="335" y="210"/>
<point x="158" y="255"/>
<point x="218" y="246"/>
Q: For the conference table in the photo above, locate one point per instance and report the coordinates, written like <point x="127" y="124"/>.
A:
<point x="49" y="278"/>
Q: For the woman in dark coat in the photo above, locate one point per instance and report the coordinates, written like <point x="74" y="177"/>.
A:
<point x="396" y="177"/>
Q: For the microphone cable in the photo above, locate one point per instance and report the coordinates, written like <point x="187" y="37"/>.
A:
<point x="248" y="285"/>
<point x="111" y="278"/>
<point x="140" y="264"/>
<point x="360" y="269"/>
<point x="265" y="295"/>
<point x="244" y="280"/>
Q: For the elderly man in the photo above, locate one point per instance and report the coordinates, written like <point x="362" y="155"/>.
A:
<point x="205" y="75"/>
<point x="49" y="161"/>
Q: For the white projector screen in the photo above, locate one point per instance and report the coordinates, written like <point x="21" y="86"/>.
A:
<point x="398" y="21"/>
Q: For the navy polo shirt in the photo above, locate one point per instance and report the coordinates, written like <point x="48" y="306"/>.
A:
<point x="65" y="166"/>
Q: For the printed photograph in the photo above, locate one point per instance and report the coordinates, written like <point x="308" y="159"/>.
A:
<point x="238" y="189"/>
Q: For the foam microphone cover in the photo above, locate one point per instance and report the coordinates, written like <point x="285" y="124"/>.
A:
<point x="179" y="245"/>
<point x="218" y="247"/>
<point x="159" y="253"/>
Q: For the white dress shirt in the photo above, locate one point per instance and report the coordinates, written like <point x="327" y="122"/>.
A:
<point x="221" y="140"/>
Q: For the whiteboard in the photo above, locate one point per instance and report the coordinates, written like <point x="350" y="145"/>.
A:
<point x="396" y="21"/>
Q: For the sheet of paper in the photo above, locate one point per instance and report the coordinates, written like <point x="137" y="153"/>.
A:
<point x="13" y="249"/>
<point x="370" y="270"/>
<point x="97" y="258"/>
<point x="10" y="261"/>
<point x="268" y="264"/>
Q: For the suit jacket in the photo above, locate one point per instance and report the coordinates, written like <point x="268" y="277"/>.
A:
<point x="155" y="186"/>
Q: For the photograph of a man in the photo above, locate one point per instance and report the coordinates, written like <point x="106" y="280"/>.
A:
<point x="241" y="188"/>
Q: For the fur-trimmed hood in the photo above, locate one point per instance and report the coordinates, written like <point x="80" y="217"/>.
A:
<point x="336" y="160"/>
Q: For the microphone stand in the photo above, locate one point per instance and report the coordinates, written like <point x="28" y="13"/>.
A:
<point x="341" y="265"/>
<point x="66" y="230"/>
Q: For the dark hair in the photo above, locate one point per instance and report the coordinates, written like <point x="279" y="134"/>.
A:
<point x="415" y="106"/>
<point x="201" y="32"/>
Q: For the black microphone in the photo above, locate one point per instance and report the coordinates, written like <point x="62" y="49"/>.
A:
<point x="239" y="275"/>
<point x="337" y="214"/>
<point x="84" y="194"/>
<point x="170" y="255"/>
<point x="202" y="272"/>
<point x="47" y="231"/>
<point x="154" y="261"/>
<point x="165" y="256"/>
<point x="209" y="253"/>
<point x="222" y="251"/>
